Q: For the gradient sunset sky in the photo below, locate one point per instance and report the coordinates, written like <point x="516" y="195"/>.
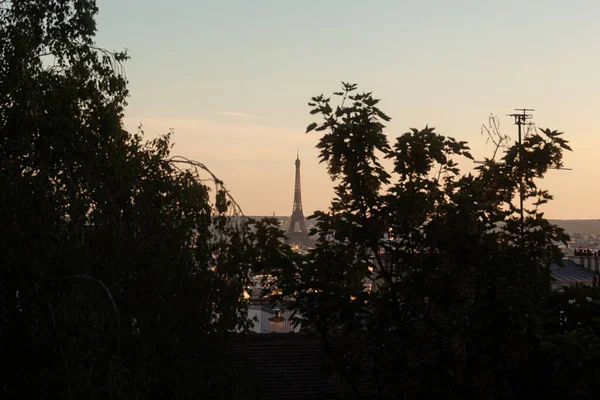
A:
<point x="233" y="79"/>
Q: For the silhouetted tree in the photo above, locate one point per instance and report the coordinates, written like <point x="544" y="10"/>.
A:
<point x="121" y="269"/>
<point x="570" y="343"/>
<point x="425" y="283"/>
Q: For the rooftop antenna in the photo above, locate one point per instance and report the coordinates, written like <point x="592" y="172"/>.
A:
<point x="522" y="118"/>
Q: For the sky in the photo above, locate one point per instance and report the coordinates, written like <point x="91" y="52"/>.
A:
<point x="233" y="79"/>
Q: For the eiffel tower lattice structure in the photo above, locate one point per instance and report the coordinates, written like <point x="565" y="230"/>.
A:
<point x="297" y="232"/>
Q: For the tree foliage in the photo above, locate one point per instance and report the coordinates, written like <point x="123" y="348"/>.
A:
<point x="121" y="267"/>
<point x="425" y="282"/>
<point x="570" y="345"/>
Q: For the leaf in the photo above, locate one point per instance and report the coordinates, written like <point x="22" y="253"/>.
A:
<point x="382" y="115"/>
<point x="311" y="127"/>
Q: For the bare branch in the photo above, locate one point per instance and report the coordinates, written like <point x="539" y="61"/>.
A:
<point x="492" y="130"/>
<point x="218" y="183"/>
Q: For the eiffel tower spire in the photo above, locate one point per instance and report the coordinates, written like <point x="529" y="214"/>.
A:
<point x="297" y="218"/>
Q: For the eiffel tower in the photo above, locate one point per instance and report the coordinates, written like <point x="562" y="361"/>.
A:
<point x="300" y="235"/>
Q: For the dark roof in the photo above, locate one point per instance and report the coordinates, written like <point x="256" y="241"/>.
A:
<point x="571" y="272"/>
<point x="286" y="366"/>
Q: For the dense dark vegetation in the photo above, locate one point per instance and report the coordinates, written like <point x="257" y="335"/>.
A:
<point x="121" y="267"/>
<point x="461" y="305"/>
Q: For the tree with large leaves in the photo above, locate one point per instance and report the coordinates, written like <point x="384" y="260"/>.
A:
<point x="121" y="266"/>
<point x="425" y="282"/>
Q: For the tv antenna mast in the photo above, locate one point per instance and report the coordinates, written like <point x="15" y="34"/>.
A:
<point x="523" y="117"/>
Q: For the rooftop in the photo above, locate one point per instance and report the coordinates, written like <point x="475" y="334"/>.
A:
<point x="286" y="366"/>
<point x="571" y="273"/>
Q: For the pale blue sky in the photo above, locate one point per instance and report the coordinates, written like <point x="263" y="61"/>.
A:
<point x="234" y="77"/>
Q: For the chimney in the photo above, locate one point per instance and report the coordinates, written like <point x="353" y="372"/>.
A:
<point x="277" y="323"/>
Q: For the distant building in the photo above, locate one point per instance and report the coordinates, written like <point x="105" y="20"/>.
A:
<point x="589" y="259"/>
<point x="270" y="319"/>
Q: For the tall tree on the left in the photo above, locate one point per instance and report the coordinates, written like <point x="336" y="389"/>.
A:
<point x="121" y="272"/>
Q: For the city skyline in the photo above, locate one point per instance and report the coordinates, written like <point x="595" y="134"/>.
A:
<point x="236" y="93"/>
